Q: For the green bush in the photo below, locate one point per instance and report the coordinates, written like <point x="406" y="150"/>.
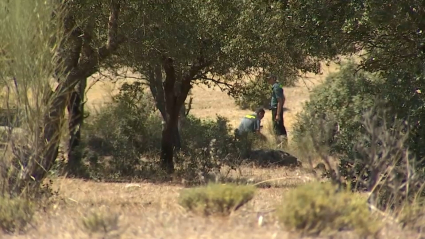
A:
<point x="15" y="213"/>
<point x="403" y="90"/>
<point x="207" y="146"/>
<point x="129" y="128"/>
<point x="319" y="209"/>
<point x="341" y="99"/>
<point x="378" y="119"/>
<point x="216" y="199"/>
<point x="125" y="129"/>
<point x="331" y="122"/>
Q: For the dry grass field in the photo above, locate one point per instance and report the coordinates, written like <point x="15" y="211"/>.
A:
<point x="147" y="210"/>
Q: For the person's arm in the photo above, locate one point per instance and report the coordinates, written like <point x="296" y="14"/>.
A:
<point x="280" y="101"/>
<point x="279" y="106"/>
<point x="257" y="126"/>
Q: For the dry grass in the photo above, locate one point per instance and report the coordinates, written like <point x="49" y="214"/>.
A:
<point x="152" y="211"/>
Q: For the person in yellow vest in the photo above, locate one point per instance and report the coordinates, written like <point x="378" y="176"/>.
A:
<point x="276" y="106"/>
<point x="251" y="123"/>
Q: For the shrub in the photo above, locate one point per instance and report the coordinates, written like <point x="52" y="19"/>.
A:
<point x="341" y="101"/>
<point x="319" y="208"/>
<point x="379" y="160"/>
<point x="216" y="199"/>
<point x="101" y="223"/>
<point x="345" y="115"/>
<point x="125" y="130"/>
<point x="15" y="213"/>
<point x="129" y="129"/>
<point x="207" y="146"/>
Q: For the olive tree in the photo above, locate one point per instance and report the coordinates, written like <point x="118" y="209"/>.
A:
<point x="387" y="34"/>
<point x="176" y="44"/>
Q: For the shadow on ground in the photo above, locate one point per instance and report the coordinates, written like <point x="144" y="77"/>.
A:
<point x="272" y="158"/>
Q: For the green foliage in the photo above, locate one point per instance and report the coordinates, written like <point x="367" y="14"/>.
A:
<point x="15" y="213"/>
<point x="390" y="35"/>
<point x="254" y="94"/>
<point x="257" y="92"/>
<point x="376" y="125"/>
<point x="319" y="208"/>
<point x="207" y="146"/>
<point x="341" y="99"/>
<point x="216" y="199"/>
<point x="225" y="39"/>
<point x="402" y="92"/>
<point x="124" y="129"/>
<point x="388" y="31"/>
<point x="198" y="133"/>
<point x="129" y="129"/>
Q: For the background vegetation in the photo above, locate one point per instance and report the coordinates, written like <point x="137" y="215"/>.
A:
<point x="363" y="124"/>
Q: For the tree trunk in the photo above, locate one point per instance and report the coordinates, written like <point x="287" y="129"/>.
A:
<point x="76" y="120"/>
<point x="173" y="104"/>
<point x="156" y="88"/>
<point x="167" y="147"/>
<point x="79" y="63"/>
<point x="172" y="108"/>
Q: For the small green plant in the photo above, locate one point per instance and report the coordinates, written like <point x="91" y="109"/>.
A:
<point x="15" y="213"/>
<point x="216" y="199"/>
<point x="319" y="208"/>
<point x="102" y="223"/>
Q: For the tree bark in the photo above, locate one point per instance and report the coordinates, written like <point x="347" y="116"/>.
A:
<point x="173" y="105"/>
<point x="75" y="123"/>
<point x="156" y="88"/>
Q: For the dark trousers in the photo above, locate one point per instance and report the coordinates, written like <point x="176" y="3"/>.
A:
<point x="278" y="127"/>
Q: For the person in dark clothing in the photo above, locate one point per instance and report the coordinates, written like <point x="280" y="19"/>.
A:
<point x="276" y="106"/>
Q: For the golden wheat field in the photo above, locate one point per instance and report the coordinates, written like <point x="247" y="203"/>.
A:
<point x="146" y="210"/>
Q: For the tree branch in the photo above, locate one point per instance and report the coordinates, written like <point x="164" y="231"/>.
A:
<point x="91" y="65"/>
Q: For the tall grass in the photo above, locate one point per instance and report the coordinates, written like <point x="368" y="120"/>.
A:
<point x="30" y="35"/>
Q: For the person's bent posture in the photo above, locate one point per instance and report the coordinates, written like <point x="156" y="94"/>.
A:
<point x="251" y="123"/>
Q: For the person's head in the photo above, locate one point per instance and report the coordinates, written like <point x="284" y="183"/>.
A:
<point x="271" y="79"/>
<point x="260" y="113"/>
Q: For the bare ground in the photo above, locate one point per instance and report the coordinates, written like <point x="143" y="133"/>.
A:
<point x="151" y="210"/>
